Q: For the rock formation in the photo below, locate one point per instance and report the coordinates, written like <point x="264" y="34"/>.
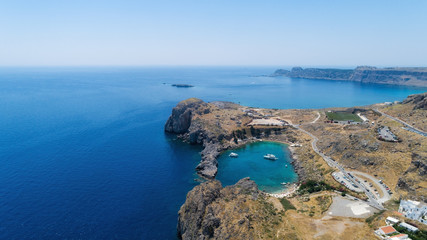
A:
<point x="413" y="176"/>
<point x="180" y="120"/>
<point x="213" y="212"/>
<point x="365" y="74"/>
<point x="185" y="121"/>
<point x="419" y="100"/>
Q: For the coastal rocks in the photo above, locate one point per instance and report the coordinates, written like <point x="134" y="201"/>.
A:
<point x="186" y="121"/>
<point x="180" y="120"/>
<point x="419" y="100"/>
<point x="208" y="167"/>
<point x="191" y="214"/>
<point x="298" y="168"/>
<point x="213" y="212"/>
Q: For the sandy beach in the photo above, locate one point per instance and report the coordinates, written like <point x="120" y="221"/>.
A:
<point x="286" y="193"/>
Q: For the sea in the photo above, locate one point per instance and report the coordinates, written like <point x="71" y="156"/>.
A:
<point x="84" y="155"/>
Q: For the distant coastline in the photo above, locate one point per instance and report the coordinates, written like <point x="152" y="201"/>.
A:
<point x="408" y="76"/>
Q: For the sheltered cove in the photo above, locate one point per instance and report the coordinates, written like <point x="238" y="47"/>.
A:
<point x="318" y="147"/>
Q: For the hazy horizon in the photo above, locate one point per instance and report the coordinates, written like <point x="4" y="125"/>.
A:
<point x="221" y="33"/>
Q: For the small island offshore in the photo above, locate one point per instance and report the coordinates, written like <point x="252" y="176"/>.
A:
<point x="362" y="171"/>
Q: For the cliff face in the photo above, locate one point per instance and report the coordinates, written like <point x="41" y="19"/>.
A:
<point x="316" y="73"/>
<point x="419" y="100"/>
<point x="396" y="76"/>
<point x="186" y="120"/>
<point x="213" y="212"/>
<point x="180" y="120"/>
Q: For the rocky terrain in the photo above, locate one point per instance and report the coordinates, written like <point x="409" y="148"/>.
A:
<point x="243" y="212"/>
<point x="197" y="123"/>
<point x="365" y="74"/>
<point x="209" y="214"/>
<point x="218" y="126"/>
<point x="418" y="100"/>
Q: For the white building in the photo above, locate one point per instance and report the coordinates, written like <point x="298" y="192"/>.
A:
<point x="414" y="210"/>
<point x="399" y="237"/>
<point x="391" y="220"/>
<point x="409" y="227"/>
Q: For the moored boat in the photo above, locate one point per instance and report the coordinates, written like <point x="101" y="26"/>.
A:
<point x="233" y="155"/>
<point x="270" y="156"/>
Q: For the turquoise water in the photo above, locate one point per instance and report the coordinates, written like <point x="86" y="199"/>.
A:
<point x="83" y="154"/>
<point x="267" y="174"/>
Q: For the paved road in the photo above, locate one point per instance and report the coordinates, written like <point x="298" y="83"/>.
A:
<point x="386" y="196"/>
<point x="372" y="199"/>
<point x="408" y="127"/>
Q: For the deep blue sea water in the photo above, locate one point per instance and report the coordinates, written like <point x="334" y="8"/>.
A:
<point x="84" y="156"/>
<point x="268" y="174"/>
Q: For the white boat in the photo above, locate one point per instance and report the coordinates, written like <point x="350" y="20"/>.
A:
<point x="233" y="155"/>
<point x="270" y="157"/>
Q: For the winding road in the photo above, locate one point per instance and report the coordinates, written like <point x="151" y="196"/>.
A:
<point x="372" y="199"/>
<point x="408" y="127"/>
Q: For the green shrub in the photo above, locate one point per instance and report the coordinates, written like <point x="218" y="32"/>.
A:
<point x="286" y="204"/>
<point x="312" y="186"/>
<point x="419" y="235"/>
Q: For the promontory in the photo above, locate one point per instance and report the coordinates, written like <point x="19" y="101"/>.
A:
<point x="355" y="166"/>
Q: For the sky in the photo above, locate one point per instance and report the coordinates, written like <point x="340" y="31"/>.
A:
<point x="213" y="32"/>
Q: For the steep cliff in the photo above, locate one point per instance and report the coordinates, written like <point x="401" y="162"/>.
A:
<point x="365" y="74"/>
<point x="195" y="121"/>
<point x="180" y="120"/>
<point x="419" y="101"/>
<point x="213" y="212"/>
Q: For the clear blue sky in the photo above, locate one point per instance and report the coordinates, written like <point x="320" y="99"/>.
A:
<point x="213" y="32"/>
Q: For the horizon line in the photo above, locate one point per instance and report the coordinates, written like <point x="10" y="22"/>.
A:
<point x="204" y="65"/>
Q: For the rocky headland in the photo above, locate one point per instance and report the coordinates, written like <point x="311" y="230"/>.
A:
<point x="208" y="213"/>
<point x="243" y="212"/>
<point x="219" y="126"/>
<point x="185" y="121"/>
<point x="416" y="76"/>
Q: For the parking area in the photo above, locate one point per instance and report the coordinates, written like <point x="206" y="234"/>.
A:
<point x="339" y="177"/>
<point x="385" y="134"/>
<point x="380" y="190"/>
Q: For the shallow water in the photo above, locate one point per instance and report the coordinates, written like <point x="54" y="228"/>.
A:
<point x="268" y="174"/>
<point x="84" y="156"/>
